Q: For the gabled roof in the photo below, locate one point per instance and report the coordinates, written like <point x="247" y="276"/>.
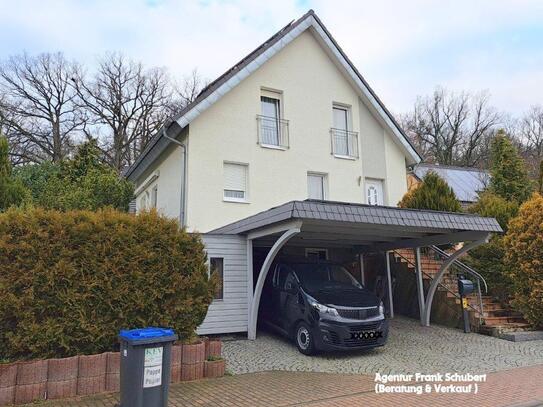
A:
<point x="224" y="83"/>
<point x="466" y="182"/>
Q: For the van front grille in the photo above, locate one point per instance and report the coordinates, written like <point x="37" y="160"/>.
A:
<point x="358" y="313"/>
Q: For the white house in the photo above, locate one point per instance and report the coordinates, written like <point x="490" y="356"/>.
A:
<point x="293" y="120"/>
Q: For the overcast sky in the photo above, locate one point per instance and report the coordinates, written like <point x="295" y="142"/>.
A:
<point x="404" y="48"/>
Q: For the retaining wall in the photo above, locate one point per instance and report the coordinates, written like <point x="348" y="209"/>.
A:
<point x="25" y="382"/>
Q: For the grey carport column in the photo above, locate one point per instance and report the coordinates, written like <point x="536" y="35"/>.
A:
<point x="427" y="307"/>
<point x="253" y="315"/>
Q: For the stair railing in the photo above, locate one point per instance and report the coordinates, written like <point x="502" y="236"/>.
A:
<point x="462" y="268"/>
<point x="441" y="284"/>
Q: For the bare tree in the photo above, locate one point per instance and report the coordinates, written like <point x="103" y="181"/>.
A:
<point x="531" y="131"/>
<point x="452" y="128"/>
<point x="187" y="91"/>
<point x="126" y="104"/>
<point x="37" y="110"/>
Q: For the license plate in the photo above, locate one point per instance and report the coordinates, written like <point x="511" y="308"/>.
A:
<point x="366" y="335"/>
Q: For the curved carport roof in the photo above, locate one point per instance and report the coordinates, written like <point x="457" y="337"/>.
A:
<point x="363" y="228"/>
<point x="367" y="227"/>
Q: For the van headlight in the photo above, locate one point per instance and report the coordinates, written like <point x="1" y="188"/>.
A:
<point x="323" y="309"/>
<point x="381" y="309"/>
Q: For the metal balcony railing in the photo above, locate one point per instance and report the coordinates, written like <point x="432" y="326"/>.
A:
<point x="272" y="132"/>
<point x="344" y="143"/>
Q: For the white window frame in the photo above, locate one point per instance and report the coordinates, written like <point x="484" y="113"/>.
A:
<point x="309" y="250"/>
<point x="245" y="199"/>
<point x="348" y="111"/>
<point x="324" y="177"/>
<point x="381" y="182"/>
<point x="276" y="95"/>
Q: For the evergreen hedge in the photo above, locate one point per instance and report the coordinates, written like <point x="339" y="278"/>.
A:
<point x="524" y="258"/>
<point x="70" y="280"/>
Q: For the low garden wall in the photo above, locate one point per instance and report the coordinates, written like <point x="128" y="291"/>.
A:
<point x="25" y="382"/>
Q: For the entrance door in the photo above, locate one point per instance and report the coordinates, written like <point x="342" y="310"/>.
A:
<point x="374" y="192"/>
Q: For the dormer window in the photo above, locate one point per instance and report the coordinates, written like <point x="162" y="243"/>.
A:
<point x="272" y="129"/>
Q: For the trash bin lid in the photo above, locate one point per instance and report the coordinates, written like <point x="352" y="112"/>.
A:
<point x="150" y="334"/>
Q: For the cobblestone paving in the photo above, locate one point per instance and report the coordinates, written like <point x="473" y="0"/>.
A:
<point x="514" y="387"/>
<point x="411" y="348"/>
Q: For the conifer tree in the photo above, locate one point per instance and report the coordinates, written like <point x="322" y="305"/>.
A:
<point x="434" y="194"/>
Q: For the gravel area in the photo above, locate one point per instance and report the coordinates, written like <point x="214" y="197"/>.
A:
<point x="410" y="348"/>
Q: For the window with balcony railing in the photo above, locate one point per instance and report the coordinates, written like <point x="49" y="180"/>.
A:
<point x="272" y="132"/>
<point x="344" y="143"/>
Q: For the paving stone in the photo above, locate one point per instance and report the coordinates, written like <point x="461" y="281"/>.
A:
<point x="410" y="348"/>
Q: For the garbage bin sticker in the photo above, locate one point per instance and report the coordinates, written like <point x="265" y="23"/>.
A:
<point x="152" y="367"/>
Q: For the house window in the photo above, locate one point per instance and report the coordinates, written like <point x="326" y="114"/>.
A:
<point x="374" y="192"/>
<point x="144" y="200"/>
<point x="344" y="141"/>
<point x="272" y="129"/>
<point x="341" y="125"/>
<point x="316" y="254"/>
<point x="235" y="182"/>
<point x="316" y="186"/>
<point x="154" y="196"/>
<point x="216" y="267"/>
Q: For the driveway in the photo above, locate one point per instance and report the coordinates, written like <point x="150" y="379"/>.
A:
<point x="521" y="386"/>
<point x="411" y="348"/>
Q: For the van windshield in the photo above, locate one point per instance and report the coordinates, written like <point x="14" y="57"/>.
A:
<point x="319" y="277"/>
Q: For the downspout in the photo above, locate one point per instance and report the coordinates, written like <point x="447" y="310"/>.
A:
<point x="183" y="176"/>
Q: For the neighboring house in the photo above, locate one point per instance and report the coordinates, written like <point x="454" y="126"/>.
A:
<point x="293" y="120"/>
<point x="466" y="182"/>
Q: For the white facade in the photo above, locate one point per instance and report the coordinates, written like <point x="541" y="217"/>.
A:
<point x="296" y="122"/>
<point x="309" y="85"/>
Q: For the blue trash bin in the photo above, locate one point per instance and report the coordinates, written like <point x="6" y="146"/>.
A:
<point x="145" y="366"/>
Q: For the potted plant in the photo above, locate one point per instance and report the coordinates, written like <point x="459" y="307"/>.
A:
<point x="214" y="367"/>
<point x="213" y="347"/>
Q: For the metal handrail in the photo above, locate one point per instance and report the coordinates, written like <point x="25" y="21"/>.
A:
<point x="464" y="266"/>
<point x="272" y="131"/>
<point x="480" y="310"/>
<point x="350" y="140"/>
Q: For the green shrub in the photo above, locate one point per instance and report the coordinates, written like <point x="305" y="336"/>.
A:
<point x="36" y="178"/>
<point x="82" y="182"/>
<point x="70" y="280"/>
<point x="433" y="193"/>
<point x="12" y="191"/>
<point x="488" y="259"/>
<point x="524" y="258"/>
<point x="494" y="206"/>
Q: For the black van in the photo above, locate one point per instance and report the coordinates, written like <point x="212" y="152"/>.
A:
<point x="322" y="307"/>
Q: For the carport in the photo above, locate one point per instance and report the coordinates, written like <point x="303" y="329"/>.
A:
<point x="360" y="229"/>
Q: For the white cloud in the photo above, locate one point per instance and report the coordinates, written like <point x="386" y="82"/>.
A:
<point x="398" y="45"/>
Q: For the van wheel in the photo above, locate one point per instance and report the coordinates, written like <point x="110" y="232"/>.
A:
<point x="304" y="339"/>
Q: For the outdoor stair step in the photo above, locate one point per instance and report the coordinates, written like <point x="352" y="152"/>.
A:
<point x="501" y="312"/>
<point x="501" y="320"/>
